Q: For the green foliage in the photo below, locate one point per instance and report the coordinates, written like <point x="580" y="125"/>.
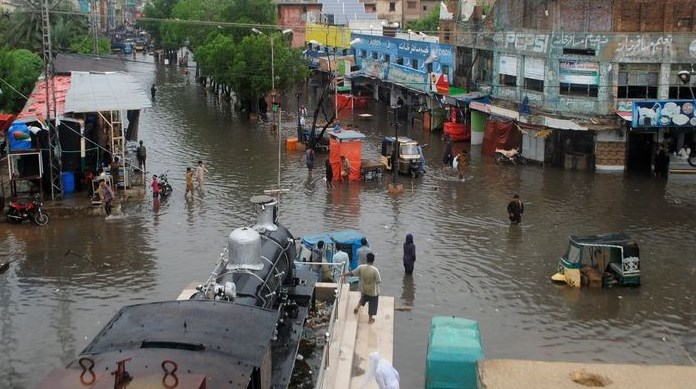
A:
<point x="428" y="23"/>
<point x="20" y="69"/>
<point x="246" y="66"/>
<point x="84" y="44"/>
<point x="23" y="29"/>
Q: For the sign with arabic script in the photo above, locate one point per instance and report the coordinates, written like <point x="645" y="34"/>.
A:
<point x="664" y="113"/>
<point x="408" y="77"/>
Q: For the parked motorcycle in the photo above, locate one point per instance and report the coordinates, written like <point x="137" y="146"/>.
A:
<point x="19" y="212"/>
<point x="165" y="187"/>
<point x="509" y="157"/>
<point x="692" y="157"/>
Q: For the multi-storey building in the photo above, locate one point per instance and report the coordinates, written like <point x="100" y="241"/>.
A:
<point x="592" y="83"/>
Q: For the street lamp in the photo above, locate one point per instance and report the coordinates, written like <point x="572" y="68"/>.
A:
<point x="685" y="78"/>
<point x="273" y="102"/>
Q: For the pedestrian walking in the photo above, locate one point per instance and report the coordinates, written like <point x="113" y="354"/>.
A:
<point x="515" y="209"/>
<point x="201" y="171"/>
<point x="329" y="173"/>
<point x="309" y="159"/>
<point x="363" y="251"/>
<point x="448" y="156"/>
<point x="141" y="154"/>
<point x="409" y="254"/>
<point x="107" y="195"/>
<point x="153" y="91"/>
<point x="461" y="165"/>
<point x="155" y="187"/>
<point x="189" y="181"/>
<point x="369" y="286"/>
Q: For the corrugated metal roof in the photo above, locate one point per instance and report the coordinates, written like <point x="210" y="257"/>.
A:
<point x="67" y="63"/>
<point x="92" y="92"/>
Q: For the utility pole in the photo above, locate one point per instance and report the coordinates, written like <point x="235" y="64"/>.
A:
<point x="395" y="187"/>
<point x="55" y="171"/>
<point x="298" y="96"/>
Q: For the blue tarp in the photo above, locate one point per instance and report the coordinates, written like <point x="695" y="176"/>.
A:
<point x="19" y="137"/>
<point x="347" y="240"/>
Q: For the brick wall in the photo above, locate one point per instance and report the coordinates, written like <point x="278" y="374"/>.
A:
<point x="611" y="154"/>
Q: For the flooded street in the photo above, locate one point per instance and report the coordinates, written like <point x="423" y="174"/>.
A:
<point x="74" y="274"/>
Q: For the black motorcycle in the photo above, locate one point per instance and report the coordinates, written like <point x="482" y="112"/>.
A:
<point x="165" y="187"/>
<point x="509" y="157"/>
<point x="692" y="157"/>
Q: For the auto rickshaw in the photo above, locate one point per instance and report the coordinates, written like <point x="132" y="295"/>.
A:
<point x="410" y="155"/>
<point x="600" y="260"/>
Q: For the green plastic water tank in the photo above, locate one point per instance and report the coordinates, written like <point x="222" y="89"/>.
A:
<point x="454" y="348"/>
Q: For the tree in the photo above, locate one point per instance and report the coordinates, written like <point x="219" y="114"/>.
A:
<point x="249" y="70"/>
<point x="84" y="44"/>
<point x="24" y="30"/>
<point x="429" y="23"/>
<point x="20" y="69"/>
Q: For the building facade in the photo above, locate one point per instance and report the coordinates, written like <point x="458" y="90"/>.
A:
<point x="579" y="76"/>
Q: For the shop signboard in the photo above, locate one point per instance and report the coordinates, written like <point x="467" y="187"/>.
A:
<point x="441" y="56"/>
<point x="408" y="77"/>
<point x="664" y="113"/>
<point x="579" y="72"/>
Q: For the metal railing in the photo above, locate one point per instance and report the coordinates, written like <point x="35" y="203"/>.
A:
<point x="329" y="336"/>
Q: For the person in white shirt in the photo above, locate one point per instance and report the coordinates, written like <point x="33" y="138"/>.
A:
<point x="684" y="152"/>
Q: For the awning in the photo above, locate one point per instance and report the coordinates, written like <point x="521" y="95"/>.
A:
<point x="467" y="98"/>
<point x="493" y="110"/>
<point x="625" y="115"/>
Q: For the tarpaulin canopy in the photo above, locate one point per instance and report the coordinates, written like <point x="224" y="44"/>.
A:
<point x="348" y="143"/>
<point x="500" y="134"/>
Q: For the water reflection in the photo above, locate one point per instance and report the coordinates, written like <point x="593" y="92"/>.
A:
<point x="408" y="292"/>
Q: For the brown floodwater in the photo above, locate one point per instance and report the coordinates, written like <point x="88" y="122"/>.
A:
<point x="471" y="262"/>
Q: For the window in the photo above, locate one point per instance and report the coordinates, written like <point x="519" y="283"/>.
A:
<point x="363" y="53"/>
<point x="508" y="80"/>
<point x="534" y="71"/>
<point x="445" y="70"/>
<point x="485" y="66"/>
<point x="425" y="8"/>
<point x="392" y="6"/>
<point x="414" y="63"/>
<point x="683" y="24"/>
<point x="399" y="60"/>
<point x="429" y="67"/>
<point x="579" y="78"/>
<point x="411" y="5"/>
<point x="374" y="55"/>
<point x="535" y="85"/>
<point x="386" y="58"/>
<point x="447" y="35"/>
<point x="638" y="81"/>
<point x="578" y="90"/>
<point x="677" y="89"/>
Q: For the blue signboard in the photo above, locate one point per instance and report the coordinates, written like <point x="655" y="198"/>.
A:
<point x="408" y="77"/>
<point x="664" y="113"/>
<point x="440" y="56"/>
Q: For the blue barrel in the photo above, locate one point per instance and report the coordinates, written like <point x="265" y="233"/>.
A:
<point x="68" y="182"/>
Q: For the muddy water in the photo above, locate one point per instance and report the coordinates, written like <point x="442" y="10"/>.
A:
<point x="471" y="262"/>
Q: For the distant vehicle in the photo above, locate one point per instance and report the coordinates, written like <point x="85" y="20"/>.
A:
<point x="139" y="44"/>
<point x="409" y="155"/>
<point x="127" y="47"/>
<point x="606" y="259"/>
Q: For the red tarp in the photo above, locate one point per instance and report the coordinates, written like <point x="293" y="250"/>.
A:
<point x="36" y="105"/>
<point x="500" y="134"/>
<point x="352" y="149"/>
<point x="6" y="120"/>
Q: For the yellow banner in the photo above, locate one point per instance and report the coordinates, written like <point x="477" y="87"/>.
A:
<point x="331" y="36"/>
